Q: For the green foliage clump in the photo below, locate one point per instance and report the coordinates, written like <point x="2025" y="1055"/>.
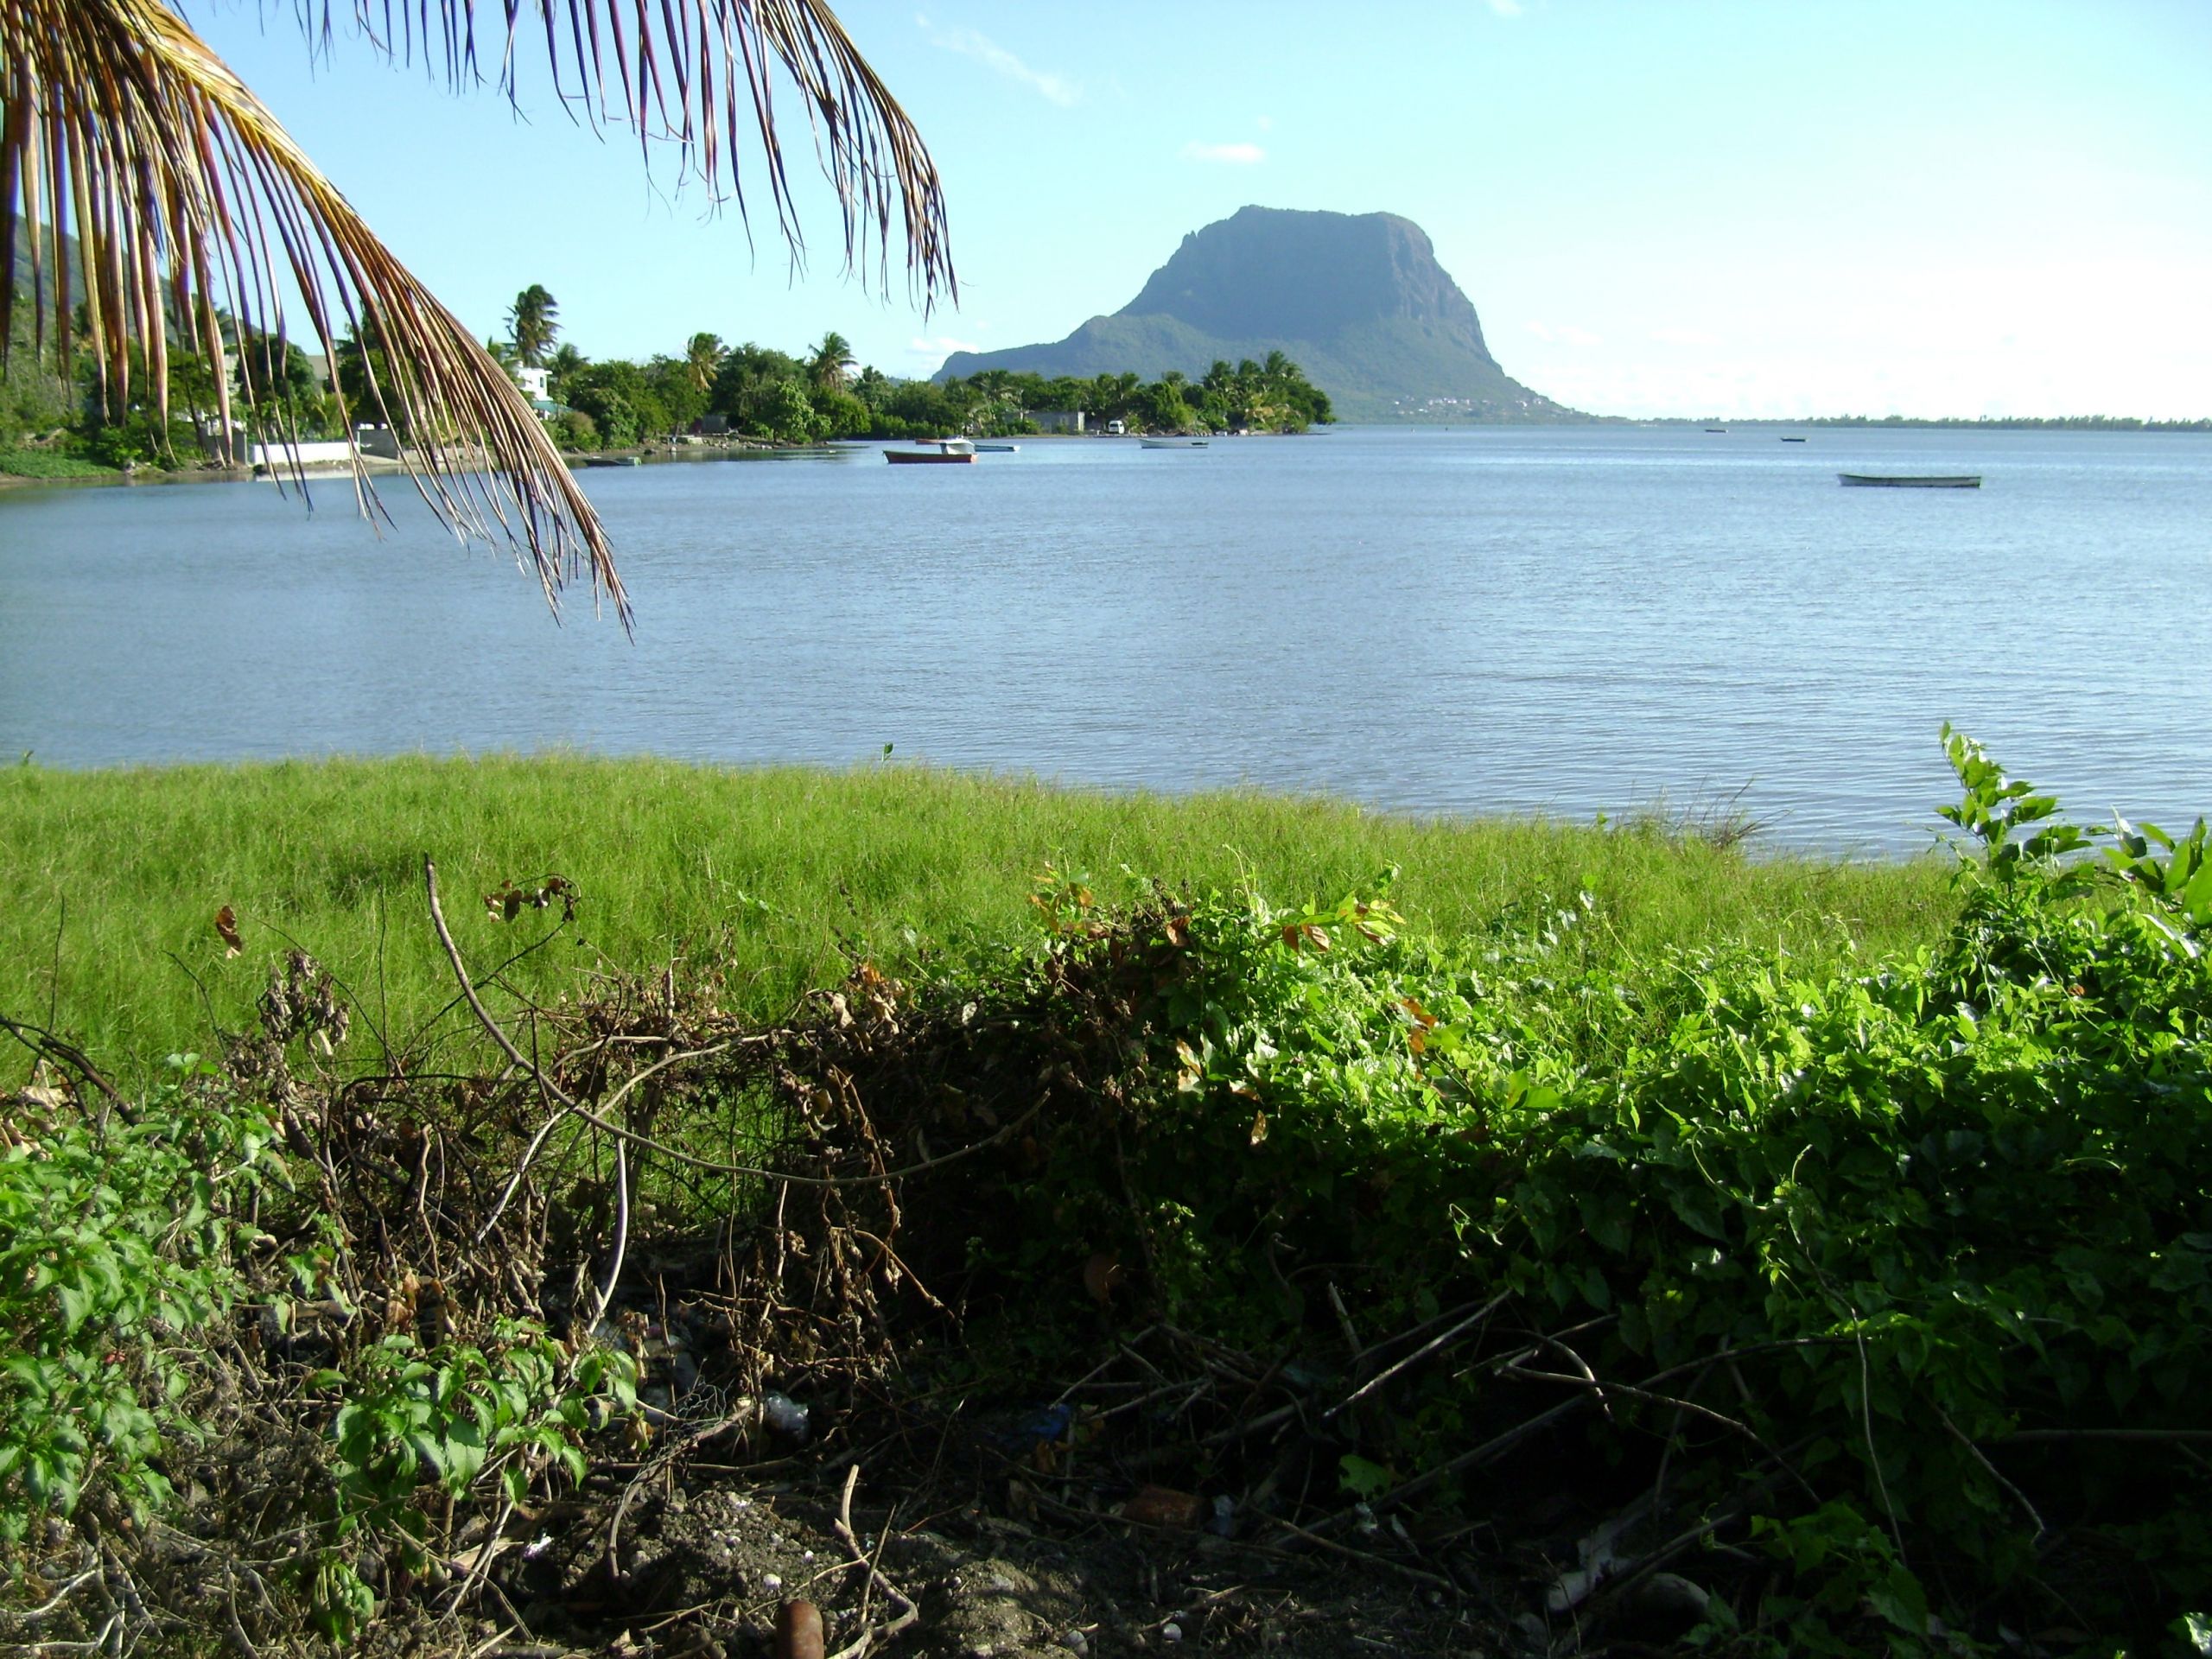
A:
<point x="118" y="1242"/>
<point x="452" y="1419"/>
<point x="1906" y="1265"/>
<point x="46" y="463"/>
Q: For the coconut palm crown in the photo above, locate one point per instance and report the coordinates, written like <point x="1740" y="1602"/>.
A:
<point x="197" y="221"/>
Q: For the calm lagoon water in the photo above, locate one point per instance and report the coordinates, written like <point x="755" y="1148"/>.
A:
<point x="1567" y="622"/>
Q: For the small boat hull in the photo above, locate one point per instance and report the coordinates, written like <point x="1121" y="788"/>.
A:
<point x="1172" y="444"/>
<point x="1911" y="481"/>
<point x="928" y="458"/>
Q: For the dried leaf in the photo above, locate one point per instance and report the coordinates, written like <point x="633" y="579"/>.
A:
<point x="1101" y="1277"/>
<point x="227" y="924"/>
<point x="1259" y="1128"/>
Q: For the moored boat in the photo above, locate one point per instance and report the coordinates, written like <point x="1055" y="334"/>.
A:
<point x="1172" y="444"/>
<point x="998" y="449"/>
<point x="1913" y="481"/>
<point x="939" y="450"/>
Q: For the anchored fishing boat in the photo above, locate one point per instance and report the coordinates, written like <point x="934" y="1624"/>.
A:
<point x="1912" y="480"/>
<point x="939" y="450"/>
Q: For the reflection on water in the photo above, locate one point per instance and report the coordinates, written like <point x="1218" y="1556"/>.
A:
<point x="1569" y="621"/>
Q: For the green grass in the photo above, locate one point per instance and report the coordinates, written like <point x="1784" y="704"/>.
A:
<point x="110" y="880"/>
<point x="39" y="463"/>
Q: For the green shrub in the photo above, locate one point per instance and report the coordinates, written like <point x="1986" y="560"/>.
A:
<point x="1908" y="1211"/>
<point x="117" y="1241"/>
<point x="44" y="463"/>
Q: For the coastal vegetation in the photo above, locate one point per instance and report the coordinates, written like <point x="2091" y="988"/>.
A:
<point x="1749" y="1255"/>
<point x="49" y="419"/>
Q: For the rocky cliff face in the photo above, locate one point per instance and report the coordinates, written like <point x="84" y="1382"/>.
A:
<point x="1267" y="271"/>
<point x="1358" y="301"/>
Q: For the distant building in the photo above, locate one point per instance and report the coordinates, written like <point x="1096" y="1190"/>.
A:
<point x="1057" y="420"/>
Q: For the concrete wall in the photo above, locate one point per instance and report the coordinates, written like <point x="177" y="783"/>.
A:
<point x="374" y="440"/>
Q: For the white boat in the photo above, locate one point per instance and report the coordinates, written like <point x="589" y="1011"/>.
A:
<point x="938" y="451"/>
<point x="1173" y="443"/>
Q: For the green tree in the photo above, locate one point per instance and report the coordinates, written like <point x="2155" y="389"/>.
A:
<point x="832" y="361"/>
<point x="703" y="358"/>
<point x="781" y="409"/>
<point x="533" y="320"/>
<point x="564" y="362"/>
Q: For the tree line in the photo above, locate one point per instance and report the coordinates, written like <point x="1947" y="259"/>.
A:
<point x="823" y="392"/>
<point x="749" y="390"/>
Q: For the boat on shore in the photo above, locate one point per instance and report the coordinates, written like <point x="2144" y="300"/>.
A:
<point x="935" y="452"/>
<point x="1912" y="480"/>
<point x="1172" y="444"/>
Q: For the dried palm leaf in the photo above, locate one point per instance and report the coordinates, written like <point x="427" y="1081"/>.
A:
<point x="194" y="213"/>
<point x="692" y="71"/>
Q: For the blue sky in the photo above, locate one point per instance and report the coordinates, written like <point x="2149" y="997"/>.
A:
<point x="1704" y="207"/>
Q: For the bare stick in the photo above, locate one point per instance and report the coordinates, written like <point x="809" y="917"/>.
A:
<point x="909" y="1613"/>
<point x="46" y="1044"/>
<point x="1418" y="1354"/>
<point x="2010" y="1491"/>
<point x="575" y="1106"/>
<point x="1365" y="1557"/>
<point x="1497" y="1446"/>
<point x="621" y="1234"/>
<point x="538" y="1141"/>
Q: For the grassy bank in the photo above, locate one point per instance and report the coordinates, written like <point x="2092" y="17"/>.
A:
<point x="113" y="878"/>
<point x="44" y="464"/>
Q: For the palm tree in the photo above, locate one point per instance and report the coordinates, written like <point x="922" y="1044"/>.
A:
<point x="832" y="361"/>
<point x="564" y="362"/>
<point x="702" y="360"/>
<point x="187" y="203"/>
<point x="532" y="321"/>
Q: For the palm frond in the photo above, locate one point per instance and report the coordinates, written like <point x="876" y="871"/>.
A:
<point x="694" y="73"/>
<point x="196" y="216"/>
<point x="193" y="211"/>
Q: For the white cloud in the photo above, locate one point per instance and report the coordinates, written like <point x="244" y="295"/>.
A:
<point x="939" y="346"/>
<point x="1233" y="155"/>
<point x="970" y="44"/>
<point x="1506" y="8"/>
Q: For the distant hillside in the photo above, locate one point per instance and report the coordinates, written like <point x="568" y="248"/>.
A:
<point x="22" y="256"/>
<point x="1357" y="301"/>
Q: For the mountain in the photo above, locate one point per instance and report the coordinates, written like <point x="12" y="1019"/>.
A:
<point x="1357" y="301"/>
